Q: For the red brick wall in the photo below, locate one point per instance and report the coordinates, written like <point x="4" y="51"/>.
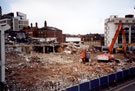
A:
<point x="42" y="33"/>
<point x="29" y="32"/>
<point x="54" y="33"/>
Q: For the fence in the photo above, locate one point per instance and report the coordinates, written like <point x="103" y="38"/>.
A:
<point x="104" y="82"/>
<point x="96" y="84"/>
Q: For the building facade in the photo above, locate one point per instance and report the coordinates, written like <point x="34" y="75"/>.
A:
<point x="7" y="19"/>
<point x="16" y="23"/>
<point x="92" y="37"/>
<point x="47" y="32"/>
<point x="20" y="21"/>
<point x="111" y="25"/>
<point x="50" y="33"/>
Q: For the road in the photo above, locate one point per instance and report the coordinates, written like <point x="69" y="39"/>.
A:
<point x="126" y="86"/>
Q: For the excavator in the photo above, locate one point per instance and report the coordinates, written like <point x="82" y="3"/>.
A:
<point x="109" y="56"/>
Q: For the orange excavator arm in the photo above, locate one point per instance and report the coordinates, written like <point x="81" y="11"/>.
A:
<point x="120" y="27"/>
<point x="109" y="56"/>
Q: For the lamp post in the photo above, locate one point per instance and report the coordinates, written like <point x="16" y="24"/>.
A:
<point x="3" y="28"/>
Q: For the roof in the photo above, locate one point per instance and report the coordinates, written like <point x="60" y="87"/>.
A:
<point x="50" y="28"/>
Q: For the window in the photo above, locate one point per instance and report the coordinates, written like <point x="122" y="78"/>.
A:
<point x="120" y="21"/>
<point x="126" y="21"/>
<point x="133" y="21"/>
<point x="133" y="34"/>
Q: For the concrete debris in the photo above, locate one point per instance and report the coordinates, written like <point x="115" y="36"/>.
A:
<point x="69" y="52"/>
<point x="55" y="71"/>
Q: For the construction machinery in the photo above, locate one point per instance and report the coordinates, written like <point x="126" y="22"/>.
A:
<point x="119" y="49"/>
<point x="85" y="56"/>
<point x="131" y="47"/>
<point x="109" y="55"/>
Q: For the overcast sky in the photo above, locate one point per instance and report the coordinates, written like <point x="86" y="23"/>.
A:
<point x="71" y="16"/>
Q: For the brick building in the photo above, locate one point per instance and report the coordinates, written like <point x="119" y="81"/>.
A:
<point x="93" y="38"/>
<point x="46" y="32"/>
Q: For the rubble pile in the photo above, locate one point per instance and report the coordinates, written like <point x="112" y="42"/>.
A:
<point x="55" y="71"/>
<point x="72" y="48"/>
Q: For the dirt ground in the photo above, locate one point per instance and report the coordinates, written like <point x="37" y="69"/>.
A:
<point x="55" y="71"/>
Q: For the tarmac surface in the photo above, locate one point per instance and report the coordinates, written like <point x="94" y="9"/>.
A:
<point x="126" y="86"/>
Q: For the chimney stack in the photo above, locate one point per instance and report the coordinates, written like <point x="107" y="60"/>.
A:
<point x="45" y="24"/>
<point x="31" y="25"/>
<point x="35" y="32"/>
<point x="36" y="25"/>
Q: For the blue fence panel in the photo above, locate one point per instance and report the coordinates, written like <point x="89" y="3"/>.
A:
<point x="104" y="80"/>
<point x="74" y="88"/>
<point x="119" y="75"/>
<point x="126" y="73"/>
<point x="132" y="71"/>
<point x="94" y="83"/>
<point x="112" y="78"/>
<point x="84" y="86"/>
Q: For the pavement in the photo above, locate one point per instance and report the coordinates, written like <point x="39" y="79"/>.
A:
<point x="126" y="86"/>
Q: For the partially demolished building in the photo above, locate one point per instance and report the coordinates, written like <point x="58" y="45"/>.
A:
<point x="111" y="25"/>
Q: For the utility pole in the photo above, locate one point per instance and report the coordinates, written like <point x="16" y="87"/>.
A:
<point x="3" y="28"/>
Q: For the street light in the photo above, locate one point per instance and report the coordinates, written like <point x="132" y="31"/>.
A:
<point x="3" y="28"/>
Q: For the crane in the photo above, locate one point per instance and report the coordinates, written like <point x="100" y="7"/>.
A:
<point x="109" y="55"/>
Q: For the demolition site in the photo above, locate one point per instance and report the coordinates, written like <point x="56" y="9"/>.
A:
<point x="45" y="59"/>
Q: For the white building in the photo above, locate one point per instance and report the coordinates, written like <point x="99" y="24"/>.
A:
<point x="5" y="21"/>
<point x="111" y="25"/>
<point x="20" y="21"/>
<point x="73" y="39"/>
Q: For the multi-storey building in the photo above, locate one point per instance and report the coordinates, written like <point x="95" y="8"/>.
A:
<point x="20" y="21"/>
<point x="111" y="25"/>
<point x="7" y="19"/>
<point x="16" y="23"/>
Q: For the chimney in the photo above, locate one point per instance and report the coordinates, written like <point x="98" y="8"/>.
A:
<point x="35" y="32"/>
<point x="31" y="25"/>
<point x="45" y="24"/>
<point x="36" y="25"/>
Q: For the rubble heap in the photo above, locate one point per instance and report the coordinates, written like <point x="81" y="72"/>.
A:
<point x="55" y="71"/>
